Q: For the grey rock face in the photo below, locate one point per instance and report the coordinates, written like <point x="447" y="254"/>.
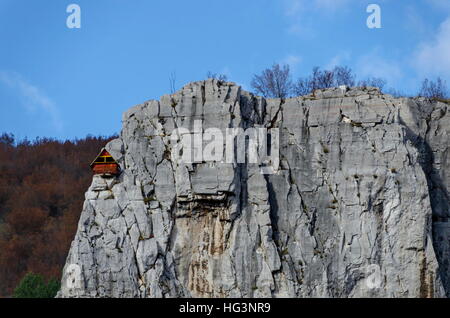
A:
<point x="359" y="206"/>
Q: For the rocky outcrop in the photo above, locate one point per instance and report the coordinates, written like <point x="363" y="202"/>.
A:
<point x="357" y="207"/>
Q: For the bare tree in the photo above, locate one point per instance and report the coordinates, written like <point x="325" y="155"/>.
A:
<point x="274" y="82"/>
<point x="320" y="79"/>
<point x="302" y="86"/>
<point x="373" y="82"/>
<point x="219" y="77"/>
<point x="172" y="80"/>
<point x="306" y="85"/>
<point x="7" y="139"/>
<point x="434" y="89"/>
<point x="343" y="75"/>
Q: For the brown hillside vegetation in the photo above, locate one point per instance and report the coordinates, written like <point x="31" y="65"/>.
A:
<point x="42" y="189"/>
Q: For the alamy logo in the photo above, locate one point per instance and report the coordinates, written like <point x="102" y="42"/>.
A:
<point x="374" y="19"/>
<point x="373" y="276"/>
<point x="257" y="145"/>
<point x="73" y="276"/>
<point x="74" y="19"/>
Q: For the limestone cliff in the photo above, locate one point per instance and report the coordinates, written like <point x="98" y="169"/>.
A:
<point x="358" y="206"/>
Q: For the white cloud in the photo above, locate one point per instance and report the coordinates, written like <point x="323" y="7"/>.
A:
<point x="433" y="57"/>
<point x="340" y="59"/>
<point x="331" y="4"/>
<point x="302" y="14"/>
<point x="292" y="60"/>
<point x="373" y="65"/>
<point x="440" y="4"/>
<point x="33" y="98"/>
<point x="415" y="21"/>
<point x="295" y="7"/>
<point x="304" y="30"/>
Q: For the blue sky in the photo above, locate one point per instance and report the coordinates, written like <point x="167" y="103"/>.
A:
<point x="66" y="83"/>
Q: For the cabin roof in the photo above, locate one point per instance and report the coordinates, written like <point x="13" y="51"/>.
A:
<point x="100" y="154"/>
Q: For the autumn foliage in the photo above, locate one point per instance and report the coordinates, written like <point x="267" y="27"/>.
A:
<point x="42" y="188"/>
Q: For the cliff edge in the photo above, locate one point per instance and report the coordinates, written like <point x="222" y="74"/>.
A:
<point x="354" y="203"/>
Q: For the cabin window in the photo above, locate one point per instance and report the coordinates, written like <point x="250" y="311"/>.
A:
<point x="104" y="159"/>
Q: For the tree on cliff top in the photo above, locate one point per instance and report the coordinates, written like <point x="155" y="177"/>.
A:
<point x="339" y="75"/>
<point x="217" y="76"/>
<point x="274" y="82"/>
<point x="434" y="89"/>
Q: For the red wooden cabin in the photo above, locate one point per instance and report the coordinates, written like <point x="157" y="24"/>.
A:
<point x="105" y="164"/>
